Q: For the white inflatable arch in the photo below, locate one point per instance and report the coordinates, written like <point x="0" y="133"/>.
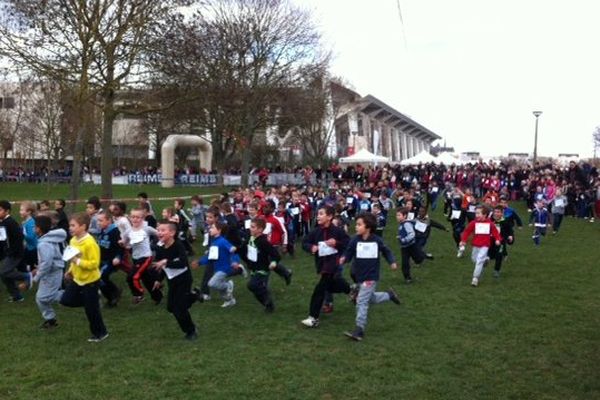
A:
<point x="168" y="155"/>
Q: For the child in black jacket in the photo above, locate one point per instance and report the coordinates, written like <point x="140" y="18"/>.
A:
<point x="262" y="257"/>
<point x="505" y="227"/>
<point x="327" y="242"/>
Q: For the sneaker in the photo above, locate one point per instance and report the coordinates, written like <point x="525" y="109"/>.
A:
<point x="475" y="282"/>
<point x="191" y="336"/>
<point x="408" y="281"/>
<point x="96" y="339"/>
<point x="310" y="322"/>
<point x="592" y="219"/>
<point x="19" y="299"/>
<point x="429" y="256"/>
<point x="357" y="334"/>
<point x="229" y="303"/>
<point x="244" y="271"/>
<point x="288" y="278"/>
<point x="496" y="274"/>
<point x="198" y="295"/>
<point x="393" y="296"/>
<point x="461" y="251"/>
<point x="206" y="297"/>
<point x="49" y="324"/>
<point x="327" y="308"/>
<point x="269" y="308"/>
<point x="137" y="299"/>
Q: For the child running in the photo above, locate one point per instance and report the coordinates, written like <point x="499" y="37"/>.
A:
<point x="262" y="257"/>
<point x="221" y="255"/>
<point x="482" y="230"/>
<point x="83" y="275"/>
<point x="326" y="242"/>
<point x="364" y="249"/>
<point x="407" y="238"/>
<point x="49" y="273"/>
<point x="171" y="260"/>
<point x="138" y="239"/>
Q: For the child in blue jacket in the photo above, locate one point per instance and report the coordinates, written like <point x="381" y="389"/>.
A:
<point x="221" y="254"/>
<point x="364" y="249"/>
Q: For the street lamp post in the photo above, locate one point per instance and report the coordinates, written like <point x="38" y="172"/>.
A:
<point x="537" y="115"/>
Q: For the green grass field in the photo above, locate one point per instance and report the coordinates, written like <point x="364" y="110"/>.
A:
<point x="532" y="334"/>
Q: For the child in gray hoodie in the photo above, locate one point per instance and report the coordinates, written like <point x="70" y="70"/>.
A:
<point x="50" y="268"/>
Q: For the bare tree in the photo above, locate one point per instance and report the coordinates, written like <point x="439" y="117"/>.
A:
<point x="239" y="58"/>
<point x="94" y="46"/>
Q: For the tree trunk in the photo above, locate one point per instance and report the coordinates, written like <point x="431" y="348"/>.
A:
<point x="106" y="164"/>
<point x="76" y="170"/>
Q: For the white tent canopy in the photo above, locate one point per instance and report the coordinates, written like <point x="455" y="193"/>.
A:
<point x="364" y="156"/>
<point x="448" y="159"/>
<point x="423" y="157"/>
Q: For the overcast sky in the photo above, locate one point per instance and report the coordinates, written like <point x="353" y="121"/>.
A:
<point x="473" y="71"/>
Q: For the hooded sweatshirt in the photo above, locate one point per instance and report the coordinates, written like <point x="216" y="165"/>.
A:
<point x="49" y="248"/>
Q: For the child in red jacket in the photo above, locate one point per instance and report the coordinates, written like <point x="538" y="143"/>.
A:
<point x="483" y="229"/>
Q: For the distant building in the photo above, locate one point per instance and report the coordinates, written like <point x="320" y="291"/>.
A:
<point x="369" y="123"/>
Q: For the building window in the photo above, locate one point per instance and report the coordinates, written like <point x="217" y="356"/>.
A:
<point x="7" y="102"/>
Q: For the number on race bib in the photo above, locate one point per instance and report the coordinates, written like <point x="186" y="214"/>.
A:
<point x="367" y="250"/>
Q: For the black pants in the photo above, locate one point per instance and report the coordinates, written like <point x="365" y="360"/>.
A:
<point x="107" y="287"/>
<point x="30" y="260"/>
<point x="142" y="271"/>
<point x="497" y="253"/>
<point x="86" y="296"/>
<point x="209" y="271"/>
<point x="282" y="271"/>
<point x="10" y="274"/>
<point x="328" y="283"/>
<point x="416" y="253"/>
<point x="180" y="299"/>
<point x="259" y="286"/>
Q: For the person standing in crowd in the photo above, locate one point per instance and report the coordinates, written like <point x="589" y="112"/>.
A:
<point x="12" y="252"/>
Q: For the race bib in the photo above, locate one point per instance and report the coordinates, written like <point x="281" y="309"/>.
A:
<point x="455" y="214"/>
<point x="367" y="250"/>
<point x="325" y="250"/>
<point x="252" y="253"/>
<point x="295" y="211"/>
<point x="435" y="189"/>
<point x="136" y="237"/>
<point x="420" y="226"/>
<point x="482" y="229"/>
<point x="472" y="209"/>
<point x="2" y="234"/>
<point x="368" y="195"/>
<point x="174" y="272"/>
<point x="70" y="253"/>
<point x="213" y="253"/>
<point x="559" y="203"/>
<point x="410" y="216"/>
<point x="349" y="200"/>
<point x="364" y="206"/>
<point x="247" y="224"/>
